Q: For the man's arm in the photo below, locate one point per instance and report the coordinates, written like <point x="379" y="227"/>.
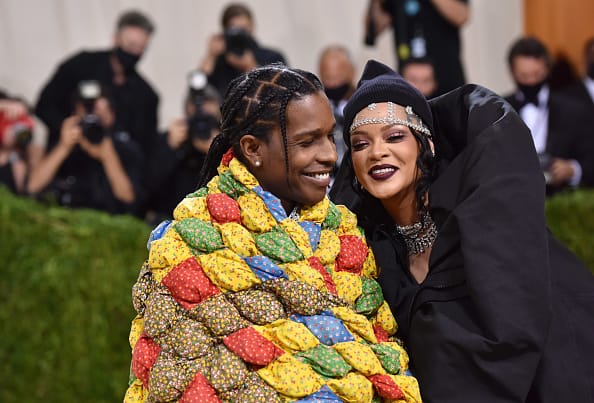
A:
<point x="455" y="12"/>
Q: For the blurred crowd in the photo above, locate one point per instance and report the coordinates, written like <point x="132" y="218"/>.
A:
<point x="87" y="140"/>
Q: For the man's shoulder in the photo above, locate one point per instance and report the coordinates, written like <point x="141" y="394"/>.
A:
<point x="88" y="56"/>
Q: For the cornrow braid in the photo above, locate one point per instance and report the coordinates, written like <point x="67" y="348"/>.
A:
<point x="256" y="103"/>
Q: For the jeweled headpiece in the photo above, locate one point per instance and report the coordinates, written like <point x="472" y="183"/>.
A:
<point x="369" y="116"/>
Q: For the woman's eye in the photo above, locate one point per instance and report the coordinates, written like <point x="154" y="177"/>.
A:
<point x="395" y="136"/>
<point x="358" y="145"/>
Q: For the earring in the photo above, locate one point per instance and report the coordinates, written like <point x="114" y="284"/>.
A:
<point x="258" y="163"/>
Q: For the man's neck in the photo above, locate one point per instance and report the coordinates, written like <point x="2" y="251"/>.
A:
<point x="119" y="77"/>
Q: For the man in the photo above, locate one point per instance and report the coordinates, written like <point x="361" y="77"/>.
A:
<point x="235" y="51"/>
<point x="93" y="164"/>
<point x="337" y="73"/>
<point x="424" y="28"/>
<point x="420" y="73"/>
<point x="561" y="128"/>
<point x="134" y="100"/>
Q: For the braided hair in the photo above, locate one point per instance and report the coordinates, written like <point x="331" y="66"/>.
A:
<point x="256" y="103"/>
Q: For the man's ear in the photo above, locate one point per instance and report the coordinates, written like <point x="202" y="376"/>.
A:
<point x="251" y="149"/>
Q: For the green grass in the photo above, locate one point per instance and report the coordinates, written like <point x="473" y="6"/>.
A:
<point x="65" y="302"/>
<point x="65" y="295"/>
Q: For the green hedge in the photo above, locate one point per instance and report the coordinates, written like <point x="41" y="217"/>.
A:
<point x="65" y="304"/>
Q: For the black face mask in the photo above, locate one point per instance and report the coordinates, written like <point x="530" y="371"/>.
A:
<point x="590" y="70"/>
<point x="335" y="94"/>
<point x="531" y="92"/>
<point x="127" y="60"/>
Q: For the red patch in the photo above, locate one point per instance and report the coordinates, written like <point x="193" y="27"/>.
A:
<point x="380" y="334"/>
<point x="252" y="347"/>
<point x="353" y="253"/>
<point x="199" y="391"/>
<point x="188" y="284"/>
<point x="144" y="356"/>
<point x="386" y="387"/>
<point x="223" y="209"/>
<point x="227" y="157"/>
<point x="315" y="262"/>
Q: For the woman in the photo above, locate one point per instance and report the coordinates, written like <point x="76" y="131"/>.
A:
<point x="490" y="306"/>
<point x="262" y="290"/>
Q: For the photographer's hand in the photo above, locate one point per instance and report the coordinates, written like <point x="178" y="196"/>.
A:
<point x="245" y="62"/>
<point x="177" y="134"/>
<point x="216" y="47"/>
<point x="105" y="152"/>
<point x="45" y="171"/>
<point x="561" y="171"/>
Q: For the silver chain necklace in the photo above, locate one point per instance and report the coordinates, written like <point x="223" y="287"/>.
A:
<point x="419" y="236"/>
<point x="294" y="215"/>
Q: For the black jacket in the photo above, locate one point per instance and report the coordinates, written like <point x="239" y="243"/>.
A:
<point x="505" y="313"/>
<point x="135" y="102"/>
<point x="570" y="132"/>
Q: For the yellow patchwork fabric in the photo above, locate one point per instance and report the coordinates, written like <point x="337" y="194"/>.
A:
<point x="410" y="388"/>
<point x="254" y="214"/>
<point x="213" y="184"/>
<point x="192" y="207"/>
<point x="384" y="318"/>
<point x="316" y="213"/>
<point x="136" y="330"/>
<point x="348" y="224"/>
<point x="168" y="251"/>
<point x="238" y="239"/>
<point x="328" y="248"/>
<point x="361" y="357"/>
<point x="298" y="234"/>
<point x="288" y="335"/>
<point x="136" y="393"/>
<point x="240" y="173"/>
<point x="348" y="286"/>
<point x="290" y="377"/>
<point x="228" y="271"/>
<point x="356" y="323"/>
<point x="353" y="388"/>
<point x="302" y="271"/>
<point x="370" y="269"/>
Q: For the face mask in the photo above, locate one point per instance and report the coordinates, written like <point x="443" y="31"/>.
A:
<point x="335" y="94"/>
<point x="126" y="59"/>
<point x="590" y="71"/>
<point x="531" y="91"/>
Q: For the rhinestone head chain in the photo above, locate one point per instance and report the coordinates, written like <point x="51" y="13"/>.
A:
<point x="368" y="116"/>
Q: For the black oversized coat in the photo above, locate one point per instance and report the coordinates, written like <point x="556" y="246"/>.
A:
<point x="506" y="313"/>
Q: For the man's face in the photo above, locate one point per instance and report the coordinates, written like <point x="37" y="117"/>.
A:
<point x="421" y="76"/>
<point x="241" y="22"/>
<point x="528" y="70"/>
<point x="336" y="69"/>
<point x="133" y="40"/>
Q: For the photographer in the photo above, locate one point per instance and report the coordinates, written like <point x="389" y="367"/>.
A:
<point x="93" y="164"/>
<point x="179" y="153"/>
<point x="235" y="50"/>
<point x="20" y="144"/>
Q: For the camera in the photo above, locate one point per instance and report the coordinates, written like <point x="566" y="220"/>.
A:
<point x="21" y="129"/>
<point x="88" y="93"/>
<point x="237" y="41"/>
<point x="200" y="123"/>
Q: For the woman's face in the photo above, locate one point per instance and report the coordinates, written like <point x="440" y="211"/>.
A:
<point x="311" y="153"/>
<point x="385" y="158"/>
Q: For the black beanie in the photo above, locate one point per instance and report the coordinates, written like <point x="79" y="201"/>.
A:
<point x="379" y="83"/>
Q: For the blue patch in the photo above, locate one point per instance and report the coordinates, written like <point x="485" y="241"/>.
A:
<point x="272" y="202"/>
<point x="264" y="268"/>
<point x="326" y="327"/>
<point x="313" y="231"/>
<point x="322" y="395"/>
<point x="158" y="232"/>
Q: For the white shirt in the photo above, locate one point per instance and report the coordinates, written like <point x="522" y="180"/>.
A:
<point x="537" y="120"/>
